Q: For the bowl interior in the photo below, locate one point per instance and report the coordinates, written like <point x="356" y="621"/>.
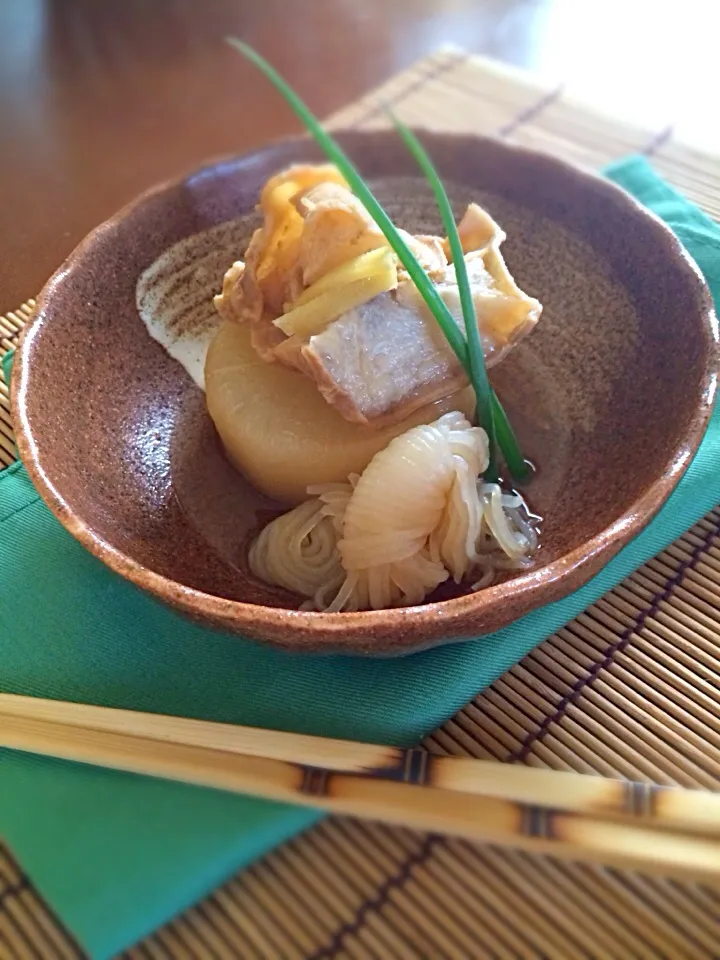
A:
<point x="604" y="393"/>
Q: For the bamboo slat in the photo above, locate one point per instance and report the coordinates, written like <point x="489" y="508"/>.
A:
<point x="629" y="689"/>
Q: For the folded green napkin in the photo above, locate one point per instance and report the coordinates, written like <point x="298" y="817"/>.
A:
<point x="116" y="855"/>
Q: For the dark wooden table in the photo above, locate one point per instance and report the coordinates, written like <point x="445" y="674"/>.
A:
<point x="101" y="98"/>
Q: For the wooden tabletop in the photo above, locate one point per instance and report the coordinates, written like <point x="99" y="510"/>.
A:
<point x="98" y="100"/>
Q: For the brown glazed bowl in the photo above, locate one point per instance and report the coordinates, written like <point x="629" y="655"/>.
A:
<point x="610" y="394"/>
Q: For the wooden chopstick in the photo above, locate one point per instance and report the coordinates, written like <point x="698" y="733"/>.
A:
<point x="658" y="806"/>
<point x="566" y="814"/>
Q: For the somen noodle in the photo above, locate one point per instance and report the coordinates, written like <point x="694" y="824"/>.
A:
<point x="415" y="517"/>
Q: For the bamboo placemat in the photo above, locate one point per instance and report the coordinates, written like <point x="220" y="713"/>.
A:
<point x="630" y="688"/>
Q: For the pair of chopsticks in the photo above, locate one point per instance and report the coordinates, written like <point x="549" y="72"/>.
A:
<point x="613" y="822"/>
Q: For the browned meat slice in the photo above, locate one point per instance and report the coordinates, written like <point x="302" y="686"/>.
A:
<point x="388" y="357"/>
<point x="505" y="314"/>
<point x="477" y="229"/>
<point x="381" y="361"/>
<point x="336" y="228"/>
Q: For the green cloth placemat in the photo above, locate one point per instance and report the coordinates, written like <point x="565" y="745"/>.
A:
<point x="116" y="855"/>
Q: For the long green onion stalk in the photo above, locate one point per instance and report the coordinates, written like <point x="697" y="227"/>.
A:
<point x="469" y="352"/>
<point x="518" y="466"/>
<point x="476" y="357"/>
<point x="491" y="415"/>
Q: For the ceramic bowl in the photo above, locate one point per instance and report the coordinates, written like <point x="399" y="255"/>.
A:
<point x="610" y="394"/>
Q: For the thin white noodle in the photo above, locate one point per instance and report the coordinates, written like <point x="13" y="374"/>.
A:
<point x="415" y="517"/>
<point x="298" y="551"/>
<point x="513" y="543"/>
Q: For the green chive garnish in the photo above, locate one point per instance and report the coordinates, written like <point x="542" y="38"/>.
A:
<point x="508" y="443"/>
<point x="472" y="359"/>
<point x="478" y="371"/>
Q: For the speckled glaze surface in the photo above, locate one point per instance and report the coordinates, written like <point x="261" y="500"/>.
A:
<point x="611" y="393"/>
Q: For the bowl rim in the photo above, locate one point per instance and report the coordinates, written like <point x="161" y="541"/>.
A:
<point x="438" y="621"/>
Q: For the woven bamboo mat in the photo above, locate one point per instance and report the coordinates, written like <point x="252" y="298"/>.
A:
<point x="630" y="688"/>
